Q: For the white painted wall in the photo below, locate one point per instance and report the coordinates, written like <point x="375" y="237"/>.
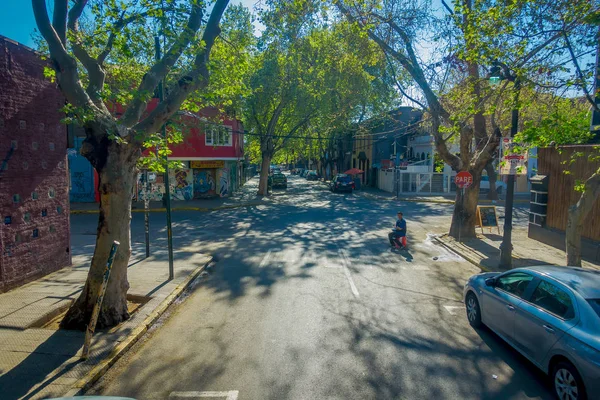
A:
<point x="385" y="181"/>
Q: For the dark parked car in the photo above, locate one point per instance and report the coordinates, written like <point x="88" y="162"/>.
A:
<point x="312" y="176"/>
<point x="341" y="183"/>
<point x="549" y="314"/>
<point x="279" y="180"/>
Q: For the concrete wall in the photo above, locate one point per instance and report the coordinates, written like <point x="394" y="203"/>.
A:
<point x="34" y="197"/>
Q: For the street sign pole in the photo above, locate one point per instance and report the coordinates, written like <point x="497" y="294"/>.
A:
<point x="161" y="95"/>
<point x="146" y="190"/>
<point x="506" y="246"/>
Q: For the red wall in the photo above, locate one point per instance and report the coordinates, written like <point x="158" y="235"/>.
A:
<point x="194" y="146"/>
<point x="30" y="116"/>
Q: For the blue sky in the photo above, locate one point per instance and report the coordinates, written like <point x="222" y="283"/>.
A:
<point x="17" y="21"/>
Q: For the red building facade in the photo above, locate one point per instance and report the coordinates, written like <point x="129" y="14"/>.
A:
<point x="212" y="154"/>
<point x="34" y="197"/>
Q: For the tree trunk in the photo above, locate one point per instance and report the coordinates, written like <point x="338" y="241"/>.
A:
<point x="491" y="172"/>
<point x="576" y="215"/>
<point x="117" y="178"/>
<point x="263" y="184"/>
<point x="465" y="210"/>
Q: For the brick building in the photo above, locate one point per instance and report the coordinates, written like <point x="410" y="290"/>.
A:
<point x="34" y="197"/>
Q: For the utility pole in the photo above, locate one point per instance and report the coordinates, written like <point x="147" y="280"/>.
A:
<point x="498" y="73"/>
<point x="595" y="122"/>
<point x="146" y="187"/>
<point x="161" y="95"/>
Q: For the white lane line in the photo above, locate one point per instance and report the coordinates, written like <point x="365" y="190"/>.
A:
<point x="454" y="310"/>
<point x="230" y="395"/>
<point x="345" y="264"/>
<point x="265" y="260"/>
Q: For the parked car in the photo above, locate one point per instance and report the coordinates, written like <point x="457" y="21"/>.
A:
<point x="341" y="183"/>
<point x="549" y="314"/>
<point x="312" y="176"/>
<point x="485" y="185"/>
<point x="305" y="172"/>
<point x="279" y="180"/>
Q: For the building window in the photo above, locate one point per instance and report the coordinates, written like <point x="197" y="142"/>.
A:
<point x="36" y="233"/>
<point x="25" y="165"/>
<point x="35" y="145"/>
<point x="7" y="220"/>
<point x="13" y="144"/>
<point x="42" y="126"/>
<point x="18" y="238"/>
<point x="27" y="217"/>
<point x="218" y="135"/>
<point x="52" y="229"/>
<point x="44" y="212"/>
<point x="34" y="195"/>
<point x="59" y="210"/>
<point x="44" y="164"/>
<point x="16" y="198"/>
<point x="4" y="166"/>
<point x="22" y="124"/>
<point x="51" y="146"/>
<point x="51" y="193"/>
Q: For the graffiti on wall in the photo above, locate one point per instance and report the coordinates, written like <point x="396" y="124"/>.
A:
<point x="155" y="192"/>
<point x="182" y="187"/>
<point x="224" y="182"/>
<point x="204" y="183"/>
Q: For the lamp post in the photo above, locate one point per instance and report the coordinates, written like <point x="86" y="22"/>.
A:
<point x="161" y="93"/>
<point x="498" y="73"/>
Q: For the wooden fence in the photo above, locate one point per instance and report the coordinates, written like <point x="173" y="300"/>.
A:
<point x="561" y="193"/>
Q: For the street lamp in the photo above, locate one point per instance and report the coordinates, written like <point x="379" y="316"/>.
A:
<point x="499" y="72"/>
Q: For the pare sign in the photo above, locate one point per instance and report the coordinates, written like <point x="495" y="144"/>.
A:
<point x="463" y="179"/>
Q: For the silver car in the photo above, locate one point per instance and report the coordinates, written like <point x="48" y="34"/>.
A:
<point x="549" y="314"/>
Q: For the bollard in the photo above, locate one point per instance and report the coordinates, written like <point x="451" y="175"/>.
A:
<point x="89" y="332"/>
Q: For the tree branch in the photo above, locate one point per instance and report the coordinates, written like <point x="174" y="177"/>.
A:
<point x="59" y="20"/>
<point x="159" y="70"/>
<point x="96" y="74"/>
<point x="64" y="65"/>
<point x="580" y="77"/>
<point x="196" y="79"/>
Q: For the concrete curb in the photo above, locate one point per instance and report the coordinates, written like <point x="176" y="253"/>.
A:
<point x="99" y="370"/>
<point x="200" y="209"/>
<point x="462" y="254"/>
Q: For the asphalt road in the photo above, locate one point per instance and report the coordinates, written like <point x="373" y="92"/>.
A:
<point x="306" y="301"/>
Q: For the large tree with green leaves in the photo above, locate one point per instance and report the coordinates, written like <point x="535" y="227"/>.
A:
<point x="307" y="81"/>
<point x="103" y="51"/>
<point x="526" y="36"/>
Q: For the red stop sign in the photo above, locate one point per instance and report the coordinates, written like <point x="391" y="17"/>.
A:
<point x="464" y="179"/>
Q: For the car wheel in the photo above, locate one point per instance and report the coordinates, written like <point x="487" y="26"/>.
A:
<point x="567" y="382"/>
<point x="473" y="310"/>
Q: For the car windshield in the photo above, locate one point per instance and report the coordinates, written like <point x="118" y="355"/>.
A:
<point x="279" y="176"/>
<point x="595" y="303"/>
<point x="344" y="178"/>
<point x="485" y="178"/>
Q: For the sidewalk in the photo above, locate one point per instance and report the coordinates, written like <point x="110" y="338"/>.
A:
<point x="378" y="194"/>
<point x="38" y="362"/>
<point x="244" y="197"/>
<point x="484" y="251"/>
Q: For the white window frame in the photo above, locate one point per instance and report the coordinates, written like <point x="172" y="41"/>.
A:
<point x="218" y="135"/>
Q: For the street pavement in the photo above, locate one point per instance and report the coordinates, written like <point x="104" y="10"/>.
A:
<point x="307" y="301"/>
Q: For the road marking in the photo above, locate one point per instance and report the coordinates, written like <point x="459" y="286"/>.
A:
<point x="453" y="310"/>
<point x="230" y="395"/>
<point x="265" y="260"/>
<point x="345" y="263"/>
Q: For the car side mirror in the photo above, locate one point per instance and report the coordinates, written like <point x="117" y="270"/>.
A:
<point x="490" y="282"/>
